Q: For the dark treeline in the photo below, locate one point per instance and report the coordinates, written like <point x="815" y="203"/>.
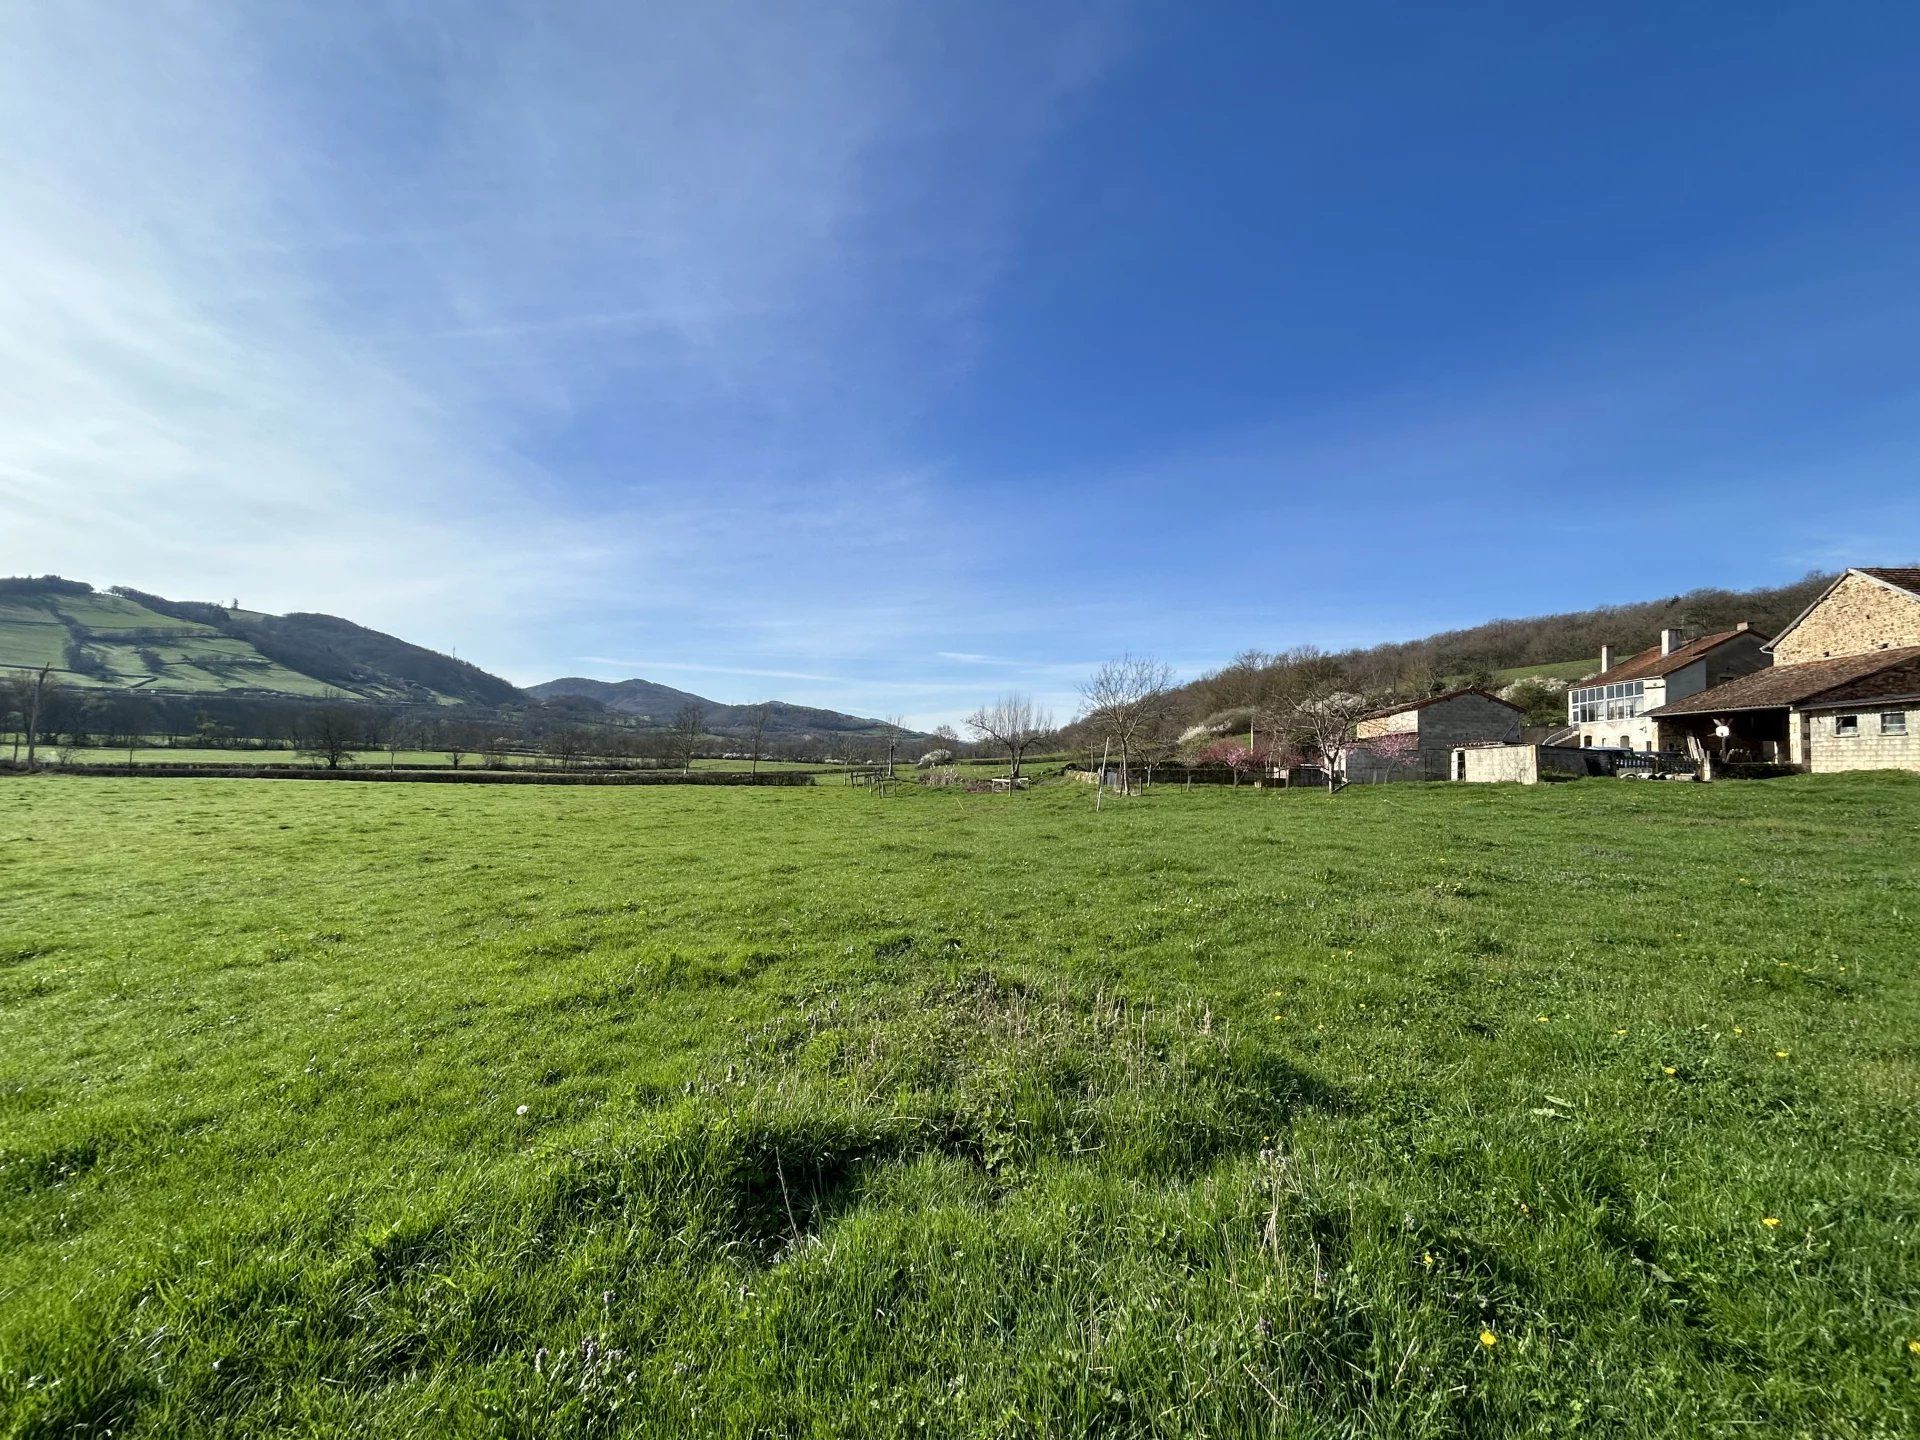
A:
<point x="569" y="731"/>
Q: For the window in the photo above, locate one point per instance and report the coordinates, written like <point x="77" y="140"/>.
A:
<point x="1846" y="726"/>
<point x="1620" y="701"/>
<point x="1893" y="722"/>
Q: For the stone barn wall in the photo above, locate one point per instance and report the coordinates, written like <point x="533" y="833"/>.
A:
<point x="1859" y="615"/>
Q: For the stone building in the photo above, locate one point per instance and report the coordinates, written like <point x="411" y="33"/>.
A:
<point x="1843" y="692"/>
<point x="1415" y="740"/>
<point x="1861" y="612"/>
<point x="1611" y="709"/>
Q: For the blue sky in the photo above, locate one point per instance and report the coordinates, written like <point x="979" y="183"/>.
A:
<point x="889" y="356"/>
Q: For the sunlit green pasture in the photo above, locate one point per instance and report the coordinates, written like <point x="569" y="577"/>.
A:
<point x="366" y="757"/>
<point x="534" y="1111"/>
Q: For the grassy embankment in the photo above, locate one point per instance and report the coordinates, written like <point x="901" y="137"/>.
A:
<point x="1418" y="1111"/>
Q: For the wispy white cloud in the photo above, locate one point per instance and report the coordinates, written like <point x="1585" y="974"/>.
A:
<point x="517" y="328"/>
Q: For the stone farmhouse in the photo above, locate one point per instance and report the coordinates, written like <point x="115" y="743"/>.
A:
<point x="1415" y="740"/>
<point x="1612" y="708"/>
<point x="1842" y="692"/>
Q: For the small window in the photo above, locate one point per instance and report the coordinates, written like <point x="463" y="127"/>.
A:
<point x="1846" y="725"/>
<point x="1893" y="722"/>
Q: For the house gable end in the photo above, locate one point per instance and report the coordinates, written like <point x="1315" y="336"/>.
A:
<point x="1856" y="615"/>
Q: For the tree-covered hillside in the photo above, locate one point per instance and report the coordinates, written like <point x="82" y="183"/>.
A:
<point x="126" y="639"/>
<point x="1565" y="646"/>
<point x="655" y="704"/>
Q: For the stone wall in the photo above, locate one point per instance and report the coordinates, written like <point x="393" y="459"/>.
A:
<point x="1527" y="764"/>
<point x="1859" y="615"/>
<point x="1398" y="723"/>
<point x="1872" y="748"/>
<point x="1492" y="764"/>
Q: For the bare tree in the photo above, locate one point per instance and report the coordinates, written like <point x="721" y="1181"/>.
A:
<point x="757" y="732"/>
<point x="892" y="727"/>
<point x="686" y="735"/>
<point x="455" y="741"/>
<point x="1157" y="742"/>
<point x="1012" y="723"/>
<point x="330" y="733"/>
<point x="1422" y="676"/>
<point x="399" y="734"/>
<point x="13" y="708"/>
<point x="1125" y="698"/>
<point x="565" y="745"/>
<point x="1325" y="716"/>
<point x="37" y="690"/>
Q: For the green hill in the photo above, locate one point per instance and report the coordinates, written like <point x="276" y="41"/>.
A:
<point x="127" y="640"/>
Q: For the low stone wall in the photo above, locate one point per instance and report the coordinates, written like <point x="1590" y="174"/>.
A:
<point x="1496" y="764"/>
<point x="1525" y="764"/>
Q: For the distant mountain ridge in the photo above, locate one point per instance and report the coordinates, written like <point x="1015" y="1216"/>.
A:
<point x="657" y="704"/>
<point x="128" y="641"/>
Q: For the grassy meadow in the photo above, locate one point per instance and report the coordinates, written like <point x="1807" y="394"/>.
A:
<point x="1417" y="1111"/>
<point x="367" y="758"/>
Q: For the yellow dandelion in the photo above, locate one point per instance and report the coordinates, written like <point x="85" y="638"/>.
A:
<point x="1619" y="1032"/>
<point x="1772" y="1222"/>
<point x="1543" y="1019"/>
<point x="1738" y="1031"/>
<point x="1668" y="1070"/>
<point x="1427" y="1259"/>
<point x="1780" y="1054"/>
<point x="1914" y="1346"/>
<point x="1487" y="1337"/>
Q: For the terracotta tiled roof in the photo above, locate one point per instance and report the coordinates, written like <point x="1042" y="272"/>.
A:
<point x="1405" y="705"/>
<point x="1900" y="678"/>
<point x="1650" y="663"/>
<point x="1844" y="677"/>
<point x="1907" y="577"/>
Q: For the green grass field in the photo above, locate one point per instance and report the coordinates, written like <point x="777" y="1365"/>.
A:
<point x="1417" y="1111"/>
<point x="201" y="755"/>
<point x="372" y="758"/>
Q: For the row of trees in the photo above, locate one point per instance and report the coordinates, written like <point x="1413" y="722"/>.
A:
<point x="39" y="710"/>
<point x="1299" y="705"/>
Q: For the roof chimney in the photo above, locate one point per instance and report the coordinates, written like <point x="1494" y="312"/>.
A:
<point x="1669" y="641"/>
<point x="1744" y="625"/>
<point x="1606" y="658"/>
